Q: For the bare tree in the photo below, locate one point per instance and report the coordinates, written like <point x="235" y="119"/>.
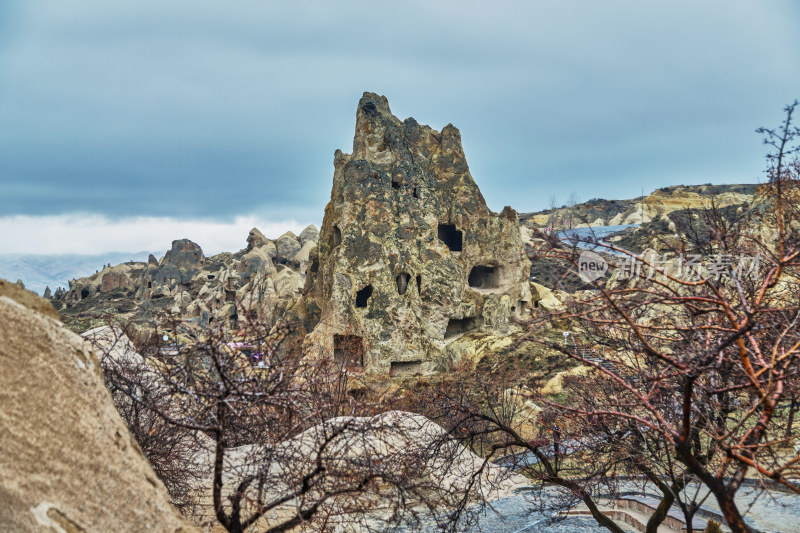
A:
<point x="282" y="440"/>
<point x="702" y="354"/>
<point x="687" y="357"/>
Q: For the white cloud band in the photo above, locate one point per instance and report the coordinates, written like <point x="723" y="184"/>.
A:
<point x="96" y="234"/>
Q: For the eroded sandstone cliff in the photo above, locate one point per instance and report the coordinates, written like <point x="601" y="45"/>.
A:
<point x="410" y="258"/>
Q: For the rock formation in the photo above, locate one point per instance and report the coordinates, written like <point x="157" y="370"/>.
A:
<point x="261" y="281"/>
<point x="68" y="462"/>
<point x="27" y="298"/>
<point x="410" y="258"/>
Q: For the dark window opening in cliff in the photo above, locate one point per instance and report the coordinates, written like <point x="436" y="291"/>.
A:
<point x="348" y="350"/>
<point x="484" y="277"/>
<point x="395" y="184"/>
<point x="149" y="284"/>
<point x="363" y="295"/>
<point x="337" y="236"/>
<point x="211" y="276"/>
<point x="85" y="293"/>
<point x="358" y="394"/>
<point x="459" y="325"/>
<point x="230" y="296"/>
<point x="452" y="237"/>
<point x="402" y="282"/>
<point x="419" y="285"/>
<point x="405" y="368"/>
<point x="414" y="192"/>
<point x="536" y="303"/>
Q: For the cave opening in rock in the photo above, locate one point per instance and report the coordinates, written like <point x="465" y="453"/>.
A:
<point x="363" y="296"/>
<point x="395" y="184"/>
<point x="402" y="280"/>
<point x="419" y="284"/>
<point x="405" y="368"/>
<point x="85" y="293"/>
<point x="348" y="349"/>
<point x="414" y="193"/>
<point x="456" y="326"/>
<point x="451" y="236"/>
<point x="337" y="236"/>
<point x="484" y="277"/>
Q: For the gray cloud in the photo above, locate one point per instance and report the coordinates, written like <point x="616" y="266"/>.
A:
<point x="204" y="109"/>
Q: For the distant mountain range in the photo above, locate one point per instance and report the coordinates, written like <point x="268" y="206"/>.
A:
<point x="40" y="271"/>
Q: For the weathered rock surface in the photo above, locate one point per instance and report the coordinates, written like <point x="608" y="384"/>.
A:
<point x="288" y="244"/>
<point x="410" y="257"/>
<point x="655" y="206"/>
<point x="207" y="291"/>
<point x="27" y="298"/>
<point x="355" y="445"/>
<point x="309" y="234"/>
<point x="184" y="254"/>
<point x="68" y="463"/>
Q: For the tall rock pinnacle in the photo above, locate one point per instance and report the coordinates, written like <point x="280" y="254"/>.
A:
<point x="410" y="258"/>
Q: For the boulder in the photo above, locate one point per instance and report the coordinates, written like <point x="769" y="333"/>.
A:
<point x="256" y="239"/>
<point x="545" y="298"/>
<point x="309" y="234"/>
<point x="69" y="463"/>
<point x="184" y="254"/>
<point x="287" y="245"/>
<point x="288" y="283"/>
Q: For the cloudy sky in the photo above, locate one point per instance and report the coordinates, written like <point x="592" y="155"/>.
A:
<point x="127" y="124"/>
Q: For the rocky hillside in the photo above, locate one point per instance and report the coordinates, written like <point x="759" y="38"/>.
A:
<point x="657" y="205"/>
<point x="262" y="280"/>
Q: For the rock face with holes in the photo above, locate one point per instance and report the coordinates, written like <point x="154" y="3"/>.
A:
<point x="410" y="259"/>
<point x="68" y="462"/>
<point x="263" y="281"/>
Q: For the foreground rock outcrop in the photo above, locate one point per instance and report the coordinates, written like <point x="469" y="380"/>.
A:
<point x="67" y="460"/>
<point x="410" y="258"/>
<point x="394" y="443"/>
